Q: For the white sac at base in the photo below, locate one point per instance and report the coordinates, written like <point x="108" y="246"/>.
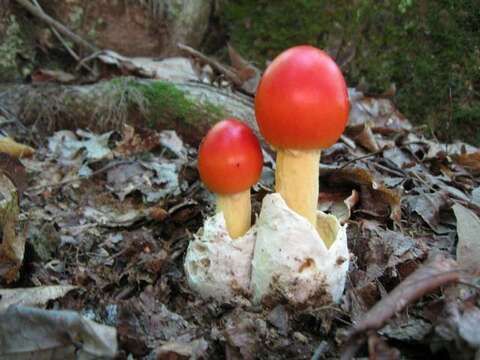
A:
<point x="291" y="260"/>
<point x="218" y="266"/>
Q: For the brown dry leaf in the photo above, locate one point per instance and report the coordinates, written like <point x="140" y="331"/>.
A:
<point x="468" y="229"/>
<point x="136" y="141"/>
<point x="14" y="169"/>
<point x="471" y="161"/>
<point x="375" y="198"/>
<point x="17" y="150"/>
<point x="429" y="207"/>
<point x="338" y="204"/>
<point x="145" y="322"/>
<point x="157" y="213"/>
<point x="381" y="113"/>
<point x="362" y="134"/>
<point x="12" y="246"/>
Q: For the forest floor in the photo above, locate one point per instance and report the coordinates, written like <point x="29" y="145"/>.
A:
<point x="107" y="216"/>
<point x="112" y="214"/>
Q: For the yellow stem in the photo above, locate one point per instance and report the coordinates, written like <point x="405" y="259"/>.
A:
<point x="296" y="179"/>
<point x="237" y="210"/>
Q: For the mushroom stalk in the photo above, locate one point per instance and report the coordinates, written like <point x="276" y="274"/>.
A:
<point x="237" y="211"/>
<point x="296" y="179"/>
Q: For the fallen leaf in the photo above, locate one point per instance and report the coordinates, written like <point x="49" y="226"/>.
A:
<point x="375" y="198"/>
<point x="380" y="113"/>
<point x="170" y="140"/>
<point x="468" y="229"/>
<point x="338" y="204"/>
<point x="362" y="134"/>
<point x="136" y="141"/>
<point x="156" y="178"/>
<point x="414" y="329"/>
<point x="457" y="329"/>
<point x="437" y="272"/>
<point x="429" y="206"/>
<point x="144" y="322"/>
<point x="15" y="171"/>
<point x="30" y="333"/>
<point x="69" y="149"/>
<point x="471" y="161"/>
<point x="12" y="148"/>
<point x="110" y="218"/>
<point x="175" y="350"/>
<point x="32" y="296"/>
<point x="12" y="246"/>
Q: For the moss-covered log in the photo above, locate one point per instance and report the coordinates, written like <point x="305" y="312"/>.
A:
<point x="188" y="108"/>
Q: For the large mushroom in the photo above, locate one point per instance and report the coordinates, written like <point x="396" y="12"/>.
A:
<point x="301" y="107"/>
<point x="218" y="261"/>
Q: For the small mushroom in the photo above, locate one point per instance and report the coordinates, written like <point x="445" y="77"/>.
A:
<point x="230" y="162"/>
<point x="219" y="260"/>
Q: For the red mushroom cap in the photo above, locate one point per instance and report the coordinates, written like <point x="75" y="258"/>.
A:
<point x="230" y="159"/>
<point x="302" y="100"/>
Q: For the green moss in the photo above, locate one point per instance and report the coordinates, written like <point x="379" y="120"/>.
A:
<point x="429" y="49"/>
<point x="9" y="48"/>
<point x="165" y="100"/>
<point x="159" y="102"/>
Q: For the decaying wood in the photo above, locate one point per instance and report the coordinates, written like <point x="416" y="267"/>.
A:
<point x="107" y="105"/>
<point x="12" y="246"/>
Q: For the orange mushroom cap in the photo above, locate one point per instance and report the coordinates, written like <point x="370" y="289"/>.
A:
<point x="302" y="100"/>
<point x="230" y="159"/>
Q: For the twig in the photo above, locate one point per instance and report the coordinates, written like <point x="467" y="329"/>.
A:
<point x="229" y="74"/>
<point x="78" y="178"/>
<point x="389" y="170"/>
<point x="64" y="43"/>
<point x="27" y="5"/>
<point x="359" y="158"/>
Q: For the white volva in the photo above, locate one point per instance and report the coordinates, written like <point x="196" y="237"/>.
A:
<point x="218" y="266"/>
<point x="291" y="259"/>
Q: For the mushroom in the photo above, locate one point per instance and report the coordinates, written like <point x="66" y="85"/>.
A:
<point x="301" y="107"/>
<point x="219" y="259"/>
<point x="230" y="162"/>
<point x="301" y="254"/>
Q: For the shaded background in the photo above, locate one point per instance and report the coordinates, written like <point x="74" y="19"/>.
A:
<point x="423" y="54"/>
